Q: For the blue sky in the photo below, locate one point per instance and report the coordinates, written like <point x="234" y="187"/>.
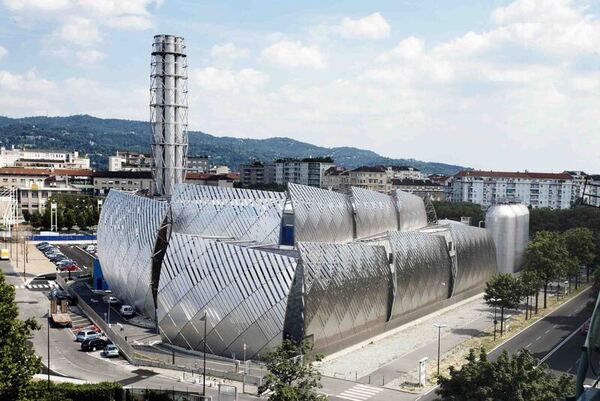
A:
<point x="505" y="85"/>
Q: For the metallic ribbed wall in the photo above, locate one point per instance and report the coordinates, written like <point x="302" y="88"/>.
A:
<point x="233" y="213"/>
<point x="521" y="234"/>
<point x="422" y="270"/>
<point x="168" y="112"/>
<point x="411" y="211"/>
<point x="346" y="290"/>
<point x="321" y="215"/>
<point x="244" y="292"/>
<point x="127" y="233"/>
<point x="475" y="256"/>
<point x="374" y="213"/>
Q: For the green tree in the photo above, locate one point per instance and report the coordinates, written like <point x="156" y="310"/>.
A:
<point x="18" y="362"/>
<point x="509" y="378"/>
<point x="596" y="283"/>
<point x="503" y="290"/>
<point x="530" y="288"/>
<point x="580" y="244"/>
<point x="456" y="210"/>
<point x="548" y="257"/>
<point x="292" y="376"/>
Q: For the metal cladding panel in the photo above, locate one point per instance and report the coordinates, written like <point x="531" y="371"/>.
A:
<point x="127" y="233"/>
<point x="411" y="211"/>
<point x="346" y="289"/>
<point x="423" y="270"/>
<point x="521" y="233"/>
<point x="240" y="214"/>
<point x="243" y="291"/>
<point x="475" y="256"/>
<point x="321" y="215"/>
<point x="502" y="223"/>
<point x="375" y="213"/>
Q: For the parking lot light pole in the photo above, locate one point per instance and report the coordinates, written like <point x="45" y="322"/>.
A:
<point x="495" y="302"/>
<point x="439" y="327"/>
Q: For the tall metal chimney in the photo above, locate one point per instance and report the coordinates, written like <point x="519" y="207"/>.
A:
<point x="168" y="112"/>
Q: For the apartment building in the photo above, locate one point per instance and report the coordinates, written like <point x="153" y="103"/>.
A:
<point x="308" y="171"/>
<point x="215" y="180"/>
<point x="375" y="178"/>
<point x="44" y="159"/>
<point x="257" y="173"/>
<point x="591" y="190"/>
<point x="135" y="161"/>
<point x="404" y="173"/>
<point x="423" y="188"/>
<point x="553" y="190"/>
<point x="336" y="179"/>
<point x="104" y="181"/>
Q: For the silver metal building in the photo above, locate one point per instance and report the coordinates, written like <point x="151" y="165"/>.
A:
<point x="348" y="274"/>
<point x="168" y="112"/>
<point x="508" y="224"/>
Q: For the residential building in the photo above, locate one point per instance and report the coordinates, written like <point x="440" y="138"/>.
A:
<point x="374" y="178"/>
<point x="104" y="181"/>
<point x="45" y="159"/>
<point x="216" y="180"/>
<point x="308" y="171"/>
<point x="422" y="188"/>
<point x="257" y="173"/>
<point x="591" y="191"/>
<point x="404" y="172"/>
<point x="198" y="164"/>
<point x="130" y="161"/>
<point x="336" y="179"/>
<point x="553" y="190"/>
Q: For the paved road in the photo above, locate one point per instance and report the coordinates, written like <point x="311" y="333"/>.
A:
<point x="545" y="335"/>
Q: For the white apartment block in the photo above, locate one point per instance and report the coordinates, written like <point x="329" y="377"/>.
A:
<point x="34" y="158"/>
<point x="591" y="192"/>
<point x="307" y="171"/>
<point x="552" y="190"/>
<point x="373" y="178"/>
<point x="405" y="173"/>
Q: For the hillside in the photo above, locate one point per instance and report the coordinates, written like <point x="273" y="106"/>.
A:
<point x="100" y="138"/>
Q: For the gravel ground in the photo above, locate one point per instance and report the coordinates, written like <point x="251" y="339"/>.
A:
<point x="363" y="361"/>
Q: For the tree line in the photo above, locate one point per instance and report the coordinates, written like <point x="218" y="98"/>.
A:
<point x="72" y="210"/>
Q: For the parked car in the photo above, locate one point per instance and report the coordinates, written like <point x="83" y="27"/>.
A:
<point x="65" y="262"/>
<point x="42" y="245"/>
<point x="73" y="267"/>
<point x="111" y="300"/>
<point x="85" y="335"/>
<point x="126" y="311"/>
<point x="90" y="248"/>
<point x="92" y="344"/>
<point x="57" y="258"/>
<point x="110" y="351"/>
<point x="57" y="293"/>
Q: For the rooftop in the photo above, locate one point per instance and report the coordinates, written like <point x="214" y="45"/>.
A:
<point x="515" y="174"/>
<point x="412" y="182"/>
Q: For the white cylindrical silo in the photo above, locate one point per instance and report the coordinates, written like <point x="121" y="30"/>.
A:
<point x="521" y="235"/>
<point x="501" y="222"/>
<point x="168" y="112"/>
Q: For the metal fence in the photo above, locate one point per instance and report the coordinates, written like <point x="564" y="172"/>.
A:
<point x="67" y="237"/>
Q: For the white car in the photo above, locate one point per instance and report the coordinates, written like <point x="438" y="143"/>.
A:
<point x="111" y="300"/>
<point x="90" y="248"/>
<point x="127" y="311"/>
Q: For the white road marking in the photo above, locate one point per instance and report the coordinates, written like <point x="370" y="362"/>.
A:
<point x="547" y="331"/>
<point x="549" y="354"/>
<point x="528" y="345"/>
<point x="360" y="392"/>
<point x="537" y="339"/>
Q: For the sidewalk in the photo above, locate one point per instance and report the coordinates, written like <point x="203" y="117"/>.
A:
<point x="393" y="358"/>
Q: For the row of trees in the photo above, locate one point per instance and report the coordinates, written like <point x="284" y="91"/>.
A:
<point x="550" y="256"/>
<point x="72" y="210"/>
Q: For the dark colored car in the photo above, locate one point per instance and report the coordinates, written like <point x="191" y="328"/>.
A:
<point x="57" y="293"/>
<point x="93" y="344"/>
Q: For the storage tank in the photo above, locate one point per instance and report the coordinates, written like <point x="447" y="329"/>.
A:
<point x="501" y="222"/>
<point x="521" y="235"/>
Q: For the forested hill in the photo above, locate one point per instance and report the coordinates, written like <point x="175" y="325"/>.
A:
<point x="100" y="138"/>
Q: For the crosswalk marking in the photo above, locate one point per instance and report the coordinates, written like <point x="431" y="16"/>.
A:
<point x="48" y="285"/>
<point x="360" y="392"/>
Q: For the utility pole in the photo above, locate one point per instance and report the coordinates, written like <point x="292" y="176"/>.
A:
<point x="439" y="327"/>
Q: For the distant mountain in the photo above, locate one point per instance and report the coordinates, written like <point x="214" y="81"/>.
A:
<point x="100" y="138"/>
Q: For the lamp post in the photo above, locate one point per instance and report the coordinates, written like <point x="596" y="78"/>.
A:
<point x="495" y="302"/>
<point x="439" y="327"/>
<point x="48" y="367"/>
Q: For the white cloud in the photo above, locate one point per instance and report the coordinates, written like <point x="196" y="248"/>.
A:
<point x="3" y="52"/>
<point x="80" y="31"/>
<point x="294" y="54"/>
<point x="131" y="22"/>
<point x="89" y="57"/>
<point x="409" y="48"/>
<point x="216" y="79"/>
<point x="228" y="52"/>
<point x="373" y="26"/>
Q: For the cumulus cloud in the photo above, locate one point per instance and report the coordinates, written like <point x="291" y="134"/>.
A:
<point x="286" y="53"/>
<point x="373" y="26"/>
<point x="228" y="52"/>
<point x="80" y="31"/>
<point x="89" y="57"/>
<point x="216" y="79"/>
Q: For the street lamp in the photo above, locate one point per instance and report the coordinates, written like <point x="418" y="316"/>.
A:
<point x="495" y="302"/>
<point x="205" y="318"/>
<point x="439" y="327"/>
<point x="48" y="367"/>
